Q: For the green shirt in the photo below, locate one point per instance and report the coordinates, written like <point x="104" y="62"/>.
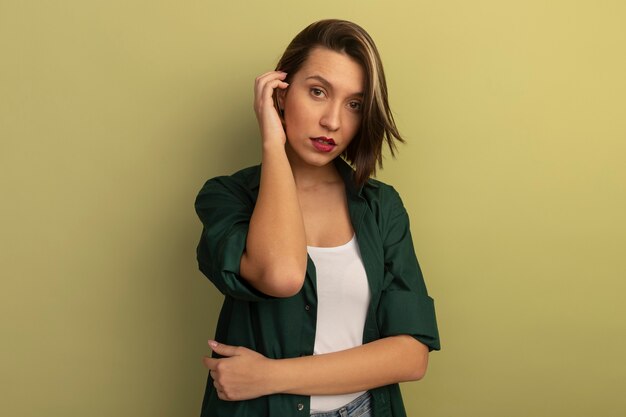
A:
<point x="285" y="327"/>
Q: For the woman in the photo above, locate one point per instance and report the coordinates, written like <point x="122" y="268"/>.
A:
<point x="325" y="308"/>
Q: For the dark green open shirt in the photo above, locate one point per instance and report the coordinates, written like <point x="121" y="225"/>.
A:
<point x="285" y="327"/>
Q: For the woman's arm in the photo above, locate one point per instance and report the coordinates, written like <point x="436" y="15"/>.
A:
<point x="245" y="374"/>
<point x="275" y="258"/>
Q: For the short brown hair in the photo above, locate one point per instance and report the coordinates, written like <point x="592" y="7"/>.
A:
<point x="377" y="123"/>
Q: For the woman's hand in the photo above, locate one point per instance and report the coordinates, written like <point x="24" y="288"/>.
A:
<point x="270" y="123"/>
<point x="242" y="374"/>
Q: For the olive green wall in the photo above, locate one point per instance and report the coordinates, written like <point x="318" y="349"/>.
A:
<point x="113" y="113"/>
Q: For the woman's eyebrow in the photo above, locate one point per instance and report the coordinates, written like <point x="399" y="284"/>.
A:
<point x="321" y="79"/>
<point x="327" y="84"/>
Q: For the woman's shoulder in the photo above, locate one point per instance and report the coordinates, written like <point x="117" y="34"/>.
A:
<point x="242" y="184"/>
<point x="384" y="204"/>
<point x="378" y="191"/>
<point x="248" y="177"/>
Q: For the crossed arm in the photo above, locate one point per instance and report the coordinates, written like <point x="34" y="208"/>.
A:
<point x="245" y="374"/>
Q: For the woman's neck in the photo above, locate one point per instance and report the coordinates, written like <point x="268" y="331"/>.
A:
<point x="309" y="176"/>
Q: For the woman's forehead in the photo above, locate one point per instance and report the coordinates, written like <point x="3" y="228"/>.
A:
<point x="337" y="69"/>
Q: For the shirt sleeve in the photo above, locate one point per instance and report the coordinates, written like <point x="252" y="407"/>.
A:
<point x="405" y="307"/>
<point x="224" y="207"/>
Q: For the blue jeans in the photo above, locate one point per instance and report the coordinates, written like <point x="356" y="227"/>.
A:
<point x="359" y="407"/>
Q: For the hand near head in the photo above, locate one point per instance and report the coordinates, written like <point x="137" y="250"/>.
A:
<point x="270" y="123"/>
<point x="241" y="374"/>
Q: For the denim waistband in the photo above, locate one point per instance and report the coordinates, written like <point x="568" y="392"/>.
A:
<point x="359" y="407"/>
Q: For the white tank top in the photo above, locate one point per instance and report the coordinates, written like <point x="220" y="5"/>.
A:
<point x="343" y="297"/>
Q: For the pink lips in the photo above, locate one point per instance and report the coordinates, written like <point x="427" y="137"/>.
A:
<point x="323" y="144"/>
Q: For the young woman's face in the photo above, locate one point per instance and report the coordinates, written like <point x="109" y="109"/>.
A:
<point x="322" y="106"/>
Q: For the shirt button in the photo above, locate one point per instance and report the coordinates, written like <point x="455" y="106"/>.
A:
<point x="300" y="407"/>
<point x="307" y="307"/>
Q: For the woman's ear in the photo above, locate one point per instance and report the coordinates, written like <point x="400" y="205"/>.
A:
<point x="280" y="103"/>
<point x="280" y="98"/>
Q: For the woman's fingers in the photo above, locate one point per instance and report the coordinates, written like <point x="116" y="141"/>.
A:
<point x="265" y="86"/>
<point x="270" y="75"/>
<point x="216" y="377"/>
<point x="269" y="120"/>
<point x="219" y="389"/>
<point x="239" y="374"/>
<point x="209" y="363"/>
<point x="214" y="374"/>
<point x="216" y="384"/>
<point x="265" y="101"/>
<point x="261" y="81"/>
<point x="223" y="349"/>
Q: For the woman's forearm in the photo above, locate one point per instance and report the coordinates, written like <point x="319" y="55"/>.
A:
<point x="275" y="258"/>
<point x="382" y="362"/>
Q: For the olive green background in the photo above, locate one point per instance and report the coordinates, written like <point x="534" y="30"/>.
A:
<point x="114" y="113"/>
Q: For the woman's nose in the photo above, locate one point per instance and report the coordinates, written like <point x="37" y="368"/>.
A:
<point x="331" y="119"/>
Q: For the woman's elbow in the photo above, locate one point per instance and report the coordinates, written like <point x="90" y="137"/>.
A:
<point x="283" y="282"/>
<point x="418" y="366"/>
<point x="418" y="372"/>
<point x="277" y="280"/>
<point x="287" y="289"/>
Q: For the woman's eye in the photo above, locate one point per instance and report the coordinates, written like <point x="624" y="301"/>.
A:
<point x="355" y="105"/>
<point x="317" y="92"/>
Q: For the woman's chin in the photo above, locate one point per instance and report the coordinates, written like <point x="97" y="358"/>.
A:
<point x="312" y="157"/>
<point x="318" y="160"/>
